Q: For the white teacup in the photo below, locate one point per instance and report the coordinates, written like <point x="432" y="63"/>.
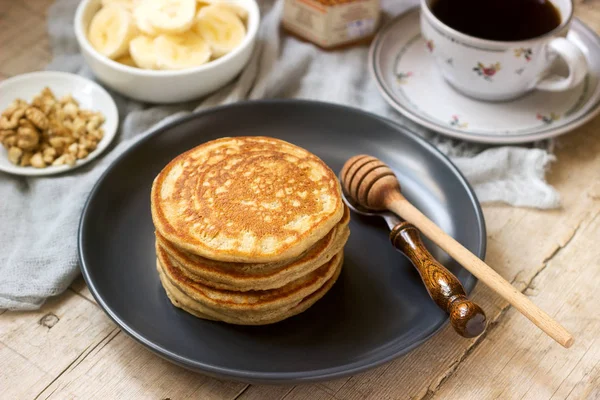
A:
<point x="496" y="70"/>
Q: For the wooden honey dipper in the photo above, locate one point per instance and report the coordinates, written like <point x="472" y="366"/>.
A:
<point x="373" y="185"/>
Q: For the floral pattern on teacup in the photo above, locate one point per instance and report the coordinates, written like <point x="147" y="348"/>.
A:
<point x="524" y="52"/>
<point x="548" y="119"/>
<point x="430" y="46"/>
<point x="487" y="72"/>
<point x="455" y="122"/>
<point x="402" y="77"/>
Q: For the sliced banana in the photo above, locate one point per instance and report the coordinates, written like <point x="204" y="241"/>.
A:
<point x="127" y="60"/>
<point x="230" y="5"/>
<point x="143" y="52"/>
<point x="171" y="16"/>
<point x="140" y="17"/>
<point x="181" y="51"/>
<point x="111" y="30"/>
<point x="221" y="28"/>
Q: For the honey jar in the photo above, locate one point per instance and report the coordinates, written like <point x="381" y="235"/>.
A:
<point x="331" y="23"/>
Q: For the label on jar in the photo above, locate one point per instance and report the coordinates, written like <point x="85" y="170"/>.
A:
<point x="331" y="25"/>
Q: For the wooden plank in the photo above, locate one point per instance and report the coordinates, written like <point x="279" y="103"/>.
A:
<point x="516" y="367"/>
<point x="262" y="392"/>
<point x="26" y="30"/>
<point x="34" y="59"/>
<point x="589" y="12"/>
<point x="308" y="392"/>
<point x="36" y="347"/>
<point x="39" y="7"/>
<point x="79" y="287"/>
<point x="121" y="368"/>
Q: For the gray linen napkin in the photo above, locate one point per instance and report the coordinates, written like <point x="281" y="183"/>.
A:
<point x="39" y="216"/>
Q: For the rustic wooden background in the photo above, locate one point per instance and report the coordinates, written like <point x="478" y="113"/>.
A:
<point x="70" y="349"/>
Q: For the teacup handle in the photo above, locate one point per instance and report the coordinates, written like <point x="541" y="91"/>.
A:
<point x="575" y="60"/>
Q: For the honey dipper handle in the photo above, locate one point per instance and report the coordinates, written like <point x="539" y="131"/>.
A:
<point x="402" y="207"/>
<point x="467" y="318"/>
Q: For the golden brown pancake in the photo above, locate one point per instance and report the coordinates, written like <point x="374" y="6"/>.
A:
<point x="250" y="304"/>
<point x="243" y="276"/>
<point x="185" y="302"/>
<point x="246" y="199"/>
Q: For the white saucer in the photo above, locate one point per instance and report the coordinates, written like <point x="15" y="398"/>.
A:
<point x="408" y="79"/>
<point x="90" y="96"/>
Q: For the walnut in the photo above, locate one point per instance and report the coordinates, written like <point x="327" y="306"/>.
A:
<point x="82" y="153"/>
<point x="10" y="139"/>
<point x="65" y="159"/>
<point x="68" y="99"/>
<point x="70" y="110"/>
<point x="45" y="99"/>
<point x="79" y="126"/>
<point x="88" y="144"/>
<point x="70" y="159"/>
<point x="60" y="160"/>
<point x="24" y="122"/>
<point x="37" y="161"/>
<point x="49" y="155"/>
<point x="14" y="106"/>
<point x="26" y="159"/>
<point x="37" y="117"/>
<point x="72" y="149"/>
<point x="57" y="129"/>
<point x="97" y="135"/>
<point x="46" y="93"/>
<point x="14" y="155"/>
<point x="58" y="114"/>
<point x="58" y="142"/>
<point x="47" y="108"/>
<point x="6" y="132"/>
<point x="12" y="121"/>
<point x="27" y="138"/>
<point x="86" y="114"/>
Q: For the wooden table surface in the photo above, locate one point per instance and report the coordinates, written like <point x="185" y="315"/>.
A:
<point x="71" y="349"/>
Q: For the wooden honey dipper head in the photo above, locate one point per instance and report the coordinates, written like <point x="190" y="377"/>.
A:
<point x="369" y="182"/>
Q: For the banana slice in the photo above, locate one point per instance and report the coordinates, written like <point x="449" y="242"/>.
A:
<point x="143" y="52"/>
<point x="127" y="60"/>
<point x="171" y="16"/>
<point x="182" y="51"/>
<point x="230" y="5"/>
<point x="111" y="30"/>
<point x="140" y="17"/>
<point x="221" y="28"/>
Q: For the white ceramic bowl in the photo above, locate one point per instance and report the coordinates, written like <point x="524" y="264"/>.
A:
<point x="90" y="96"/>
<point x="165" y="86"/>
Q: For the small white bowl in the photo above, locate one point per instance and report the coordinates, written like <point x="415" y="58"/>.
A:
<point x="90" y="96"/>
<point x="165" y="86"/>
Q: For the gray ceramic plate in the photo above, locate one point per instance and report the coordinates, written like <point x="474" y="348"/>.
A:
<point x="376" y="311"/>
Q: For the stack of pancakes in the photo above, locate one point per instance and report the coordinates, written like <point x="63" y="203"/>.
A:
<point x="249" y="230"/>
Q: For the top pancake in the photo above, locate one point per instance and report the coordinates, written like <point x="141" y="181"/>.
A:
<point x="246" y="199"/>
